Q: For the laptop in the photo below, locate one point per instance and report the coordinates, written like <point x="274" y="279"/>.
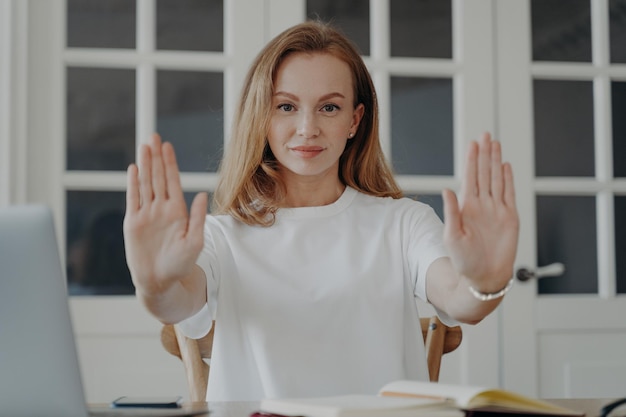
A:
<point x="39" y="368"/>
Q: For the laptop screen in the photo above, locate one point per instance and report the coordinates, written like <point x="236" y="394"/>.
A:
<point x="39" y="370"/>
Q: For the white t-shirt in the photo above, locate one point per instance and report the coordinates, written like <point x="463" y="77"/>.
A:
<point x="320" y="303"/>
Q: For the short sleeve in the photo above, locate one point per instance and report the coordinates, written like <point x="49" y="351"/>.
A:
<point x="425" y="246"/>
<point x="427" y="243"/>
<point x="199" y="325"/>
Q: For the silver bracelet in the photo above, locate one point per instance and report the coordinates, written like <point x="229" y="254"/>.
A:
<point x="487" y="296"/>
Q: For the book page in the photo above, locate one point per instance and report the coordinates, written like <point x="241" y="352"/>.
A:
<point x="509" y="399"/>
<point x="471" y="397"/>
<point x="461" y="394"/>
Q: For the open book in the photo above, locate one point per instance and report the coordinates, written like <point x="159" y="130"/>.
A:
<point x="414" y="398"/>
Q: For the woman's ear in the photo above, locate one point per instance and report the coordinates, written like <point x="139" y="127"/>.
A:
<point x="357" y="116"/>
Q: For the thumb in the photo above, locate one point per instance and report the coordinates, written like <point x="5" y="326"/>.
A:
<point x="451" y="214"/>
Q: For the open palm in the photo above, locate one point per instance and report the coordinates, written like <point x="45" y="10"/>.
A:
<point x="481" y="231"/>
<point x="162" y="240"/>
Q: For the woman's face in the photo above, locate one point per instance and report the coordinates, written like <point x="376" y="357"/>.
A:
<point x="313" y="115"/>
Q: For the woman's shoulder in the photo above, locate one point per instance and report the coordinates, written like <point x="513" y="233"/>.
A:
<point x="402" y="203"/>
<point x="220" y="221"/>
<point x="403" y="210"/>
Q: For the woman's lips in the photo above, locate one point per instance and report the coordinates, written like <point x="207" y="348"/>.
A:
<point x="307" y="151"/>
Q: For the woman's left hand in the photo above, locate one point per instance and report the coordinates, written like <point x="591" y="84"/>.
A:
<point x="481" y="230"/>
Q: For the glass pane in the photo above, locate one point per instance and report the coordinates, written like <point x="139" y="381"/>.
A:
<point x="617" y="27"/>
<point x="566" y="232"/>
<point x="564" y="123"/>
<point x="618" y="109"/>
<point x="190" y="195"/>
<point x="561" y="30"/>
<point x="100" y="119"/>
<point x="421" y="28"/>
<point x="352" y="17"/>
<point x="190" y="25"/>
<point x="422" y="126"/>
<point x="620" y="243"/>
<point x="96" y="263"/>
<point x="101" y="23"/>
<point x="190" y="115"/>
<point x="433" y="200"/>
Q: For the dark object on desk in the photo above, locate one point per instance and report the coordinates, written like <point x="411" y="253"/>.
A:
<point x="148" y="402"/>
<point x="439" y="339"/>
<point x="496" y="412"/>
<point x="607" y="409"/>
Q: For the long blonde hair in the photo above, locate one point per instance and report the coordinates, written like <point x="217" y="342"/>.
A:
<point x="250" y="188"/>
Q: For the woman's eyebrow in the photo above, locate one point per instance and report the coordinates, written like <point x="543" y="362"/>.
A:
<point x="332" y="95"/>
<point x="322" y="98"/>
<point x="286" y="94"/>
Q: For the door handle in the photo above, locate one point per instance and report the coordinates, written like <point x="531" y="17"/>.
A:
<point x="552" y="270"/>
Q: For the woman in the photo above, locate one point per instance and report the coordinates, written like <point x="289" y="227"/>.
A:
<point x="311" y="259"/>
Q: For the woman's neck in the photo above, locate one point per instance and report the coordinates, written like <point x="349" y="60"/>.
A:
<point x="313" y="194"/>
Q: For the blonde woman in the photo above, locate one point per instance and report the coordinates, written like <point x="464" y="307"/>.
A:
<point x="311" y="259"/>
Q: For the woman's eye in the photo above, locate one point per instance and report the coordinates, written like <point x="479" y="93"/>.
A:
<point x="286" y="107"/>
<point x="329" y="108"/>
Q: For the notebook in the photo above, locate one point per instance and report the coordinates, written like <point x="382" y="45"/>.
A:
<point x="39" y="368"/>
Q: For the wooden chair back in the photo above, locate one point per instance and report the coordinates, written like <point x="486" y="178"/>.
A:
<point x="439" y="339"/>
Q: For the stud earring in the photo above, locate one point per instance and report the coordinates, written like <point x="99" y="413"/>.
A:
<point x="350" y="134"/>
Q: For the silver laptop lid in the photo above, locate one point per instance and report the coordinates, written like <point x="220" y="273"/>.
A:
<point x="39" y="370"/>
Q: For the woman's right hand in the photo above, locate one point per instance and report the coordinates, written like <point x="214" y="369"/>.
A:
<point x="162" y="241"/>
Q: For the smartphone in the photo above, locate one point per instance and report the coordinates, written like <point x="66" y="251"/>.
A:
<point x="173" y="401"/>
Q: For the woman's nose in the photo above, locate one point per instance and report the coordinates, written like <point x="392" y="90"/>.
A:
<point x="307" y="126"/>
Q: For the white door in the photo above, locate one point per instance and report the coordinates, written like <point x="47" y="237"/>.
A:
<point x="561" y="102"/>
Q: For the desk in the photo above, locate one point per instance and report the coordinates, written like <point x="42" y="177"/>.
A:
<point x="233" y="409"/>
<point x="591" y="406"/>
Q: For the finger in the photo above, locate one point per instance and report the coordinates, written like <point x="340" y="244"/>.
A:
<point x="509" y="185"/>
<point x="145" y="175"/>
<point x="451" y="215"/>
<point x="132" y="189"/>
<point x="172" y="174"/>
<point x="158" y="180"/>
<point x="470" y="185"/>
<point x="484" y="166"/>
<point x="197" y="216"/>
<point x="497" y="180"/>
